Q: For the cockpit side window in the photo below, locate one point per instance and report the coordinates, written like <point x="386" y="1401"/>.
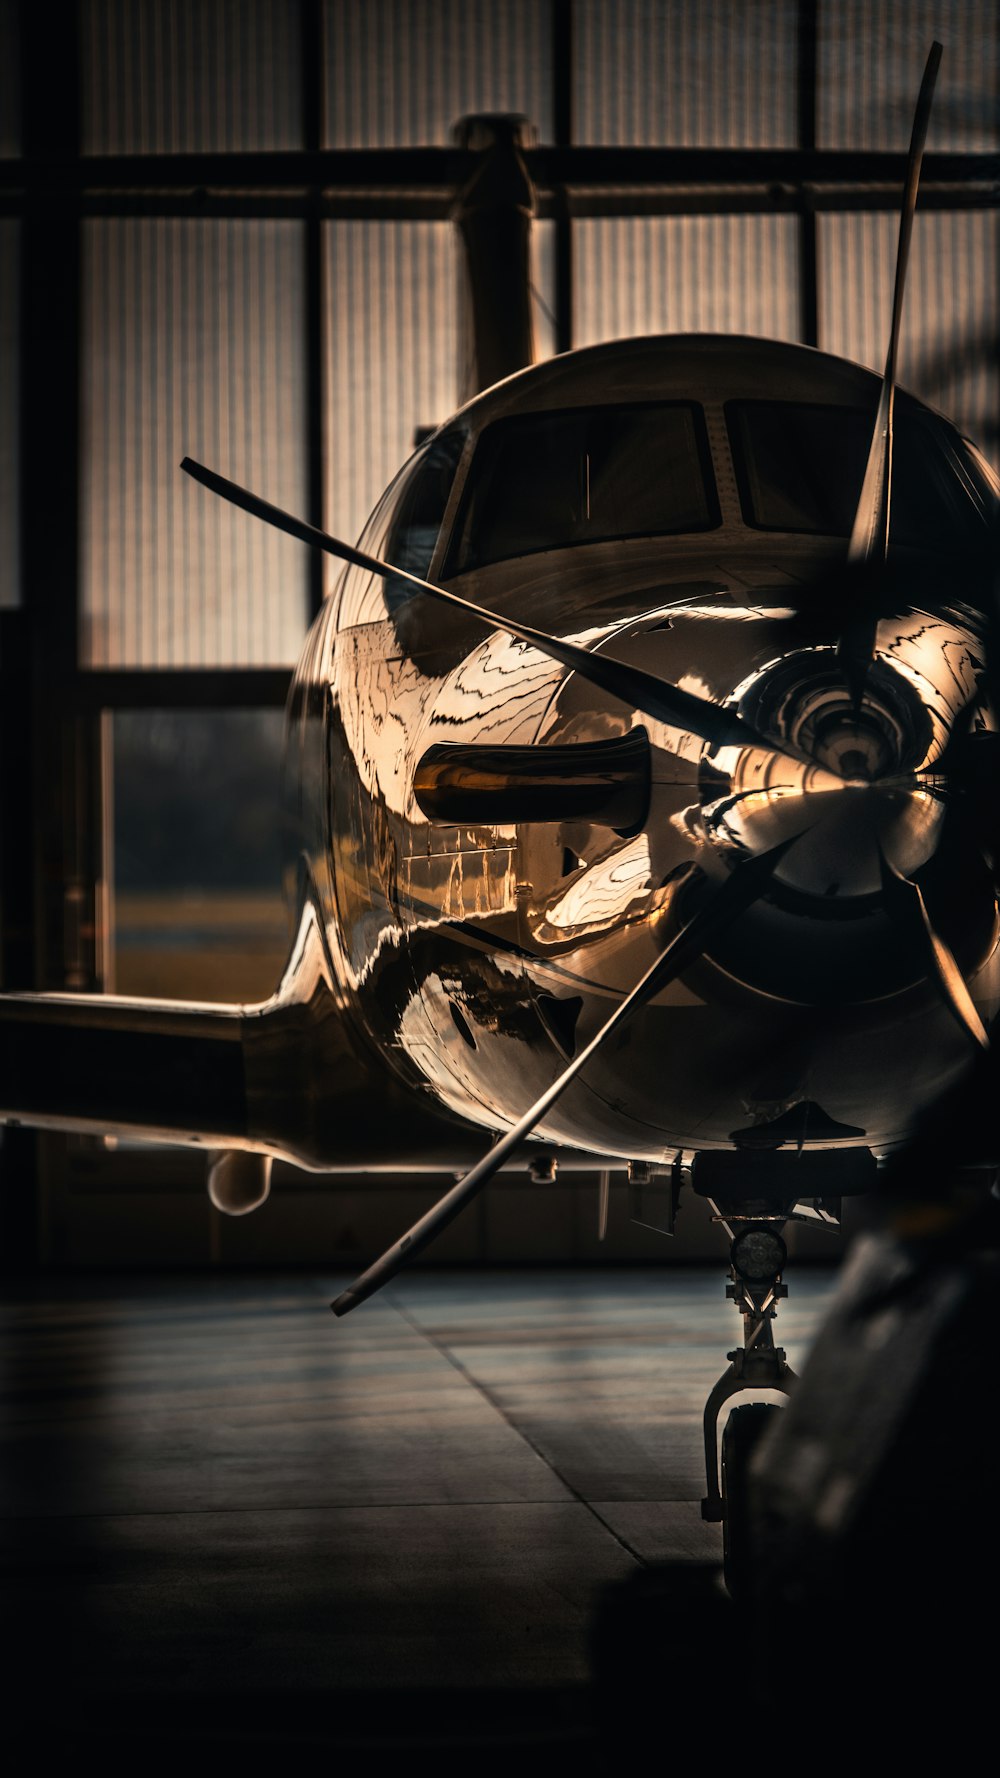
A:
<point x="404" y="529"/>
<point x="583" y="475"/>
<point x="418" y="514"/>
<point x="800" y="465"/>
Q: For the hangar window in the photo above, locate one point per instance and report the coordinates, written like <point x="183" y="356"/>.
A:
<point x="191" y="346"/>
<point x="584" y="475"/>
<point x="800" y="465"/>
<point x="194" y="853"/>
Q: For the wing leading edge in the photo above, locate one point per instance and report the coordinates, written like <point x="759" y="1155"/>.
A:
<point x="288" y="1077"/>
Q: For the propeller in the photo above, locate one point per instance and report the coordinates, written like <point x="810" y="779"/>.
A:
<point x="958" y="1128"/>
<point x="656" y="698"/>
<point x="905" y="905"/>
<point x="870" y="534"/>
<point x="746" y="884"/>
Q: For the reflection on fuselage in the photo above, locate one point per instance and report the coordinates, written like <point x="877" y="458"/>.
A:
<point x="620" y="497"/>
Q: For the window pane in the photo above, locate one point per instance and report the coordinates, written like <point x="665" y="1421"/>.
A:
<point x="192" y="346"/>
<point x="197" y="908"/>
<point x="391" y="354"/>
<point x="394" y="350"/>
<point x="685" y="274"/>
<point x="172" y="76"/>
<point x="10" y="566"/>
<point x="685" y="73"/>
<point x="800" y="467"/>
<point x="418" y="515"/>
<point x="951" y="318"/>
<point x="394" y="358"/>
<point x="400" y="73"/>
<point x="543" y="287"/>
<point x="872" y="55"/>
<point x="587" y="475"/>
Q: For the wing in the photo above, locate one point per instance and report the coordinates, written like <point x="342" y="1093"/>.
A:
<point x="289" y="1077"/>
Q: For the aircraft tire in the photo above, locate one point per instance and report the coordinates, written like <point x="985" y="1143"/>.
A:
<point x="743" y="1431"/>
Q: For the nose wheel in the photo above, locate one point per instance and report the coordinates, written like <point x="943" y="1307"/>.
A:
<point x="744" y="1430"/>
<point x="757" y="1261"/>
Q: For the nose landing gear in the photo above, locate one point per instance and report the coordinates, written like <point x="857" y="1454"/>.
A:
<point x="757" y="1261"/>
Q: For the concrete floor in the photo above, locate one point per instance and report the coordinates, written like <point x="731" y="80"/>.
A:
<point x="224" y="1507"/>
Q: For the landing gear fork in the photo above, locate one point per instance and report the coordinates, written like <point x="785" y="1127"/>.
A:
<point x="758" y="1363"/>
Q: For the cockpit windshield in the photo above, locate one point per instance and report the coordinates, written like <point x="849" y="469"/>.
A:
<point x="584" y="475"/>
<point x="799" y="467"/>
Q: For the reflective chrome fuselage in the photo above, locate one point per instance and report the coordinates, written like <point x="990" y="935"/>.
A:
<point x="476" y="959"/>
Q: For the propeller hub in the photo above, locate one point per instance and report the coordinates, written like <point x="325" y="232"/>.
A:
<point x="879" y="887"/>
<point x="846" y="787"/>
<point x="803" y="700"/>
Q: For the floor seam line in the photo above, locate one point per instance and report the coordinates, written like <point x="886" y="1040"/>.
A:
<point x="489" y="1398"/>
<point x="340" y="1506"/>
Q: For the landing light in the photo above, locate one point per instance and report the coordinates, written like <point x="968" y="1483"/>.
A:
<point x="758" y="1253"/>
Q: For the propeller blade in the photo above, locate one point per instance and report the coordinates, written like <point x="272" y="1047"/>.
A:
<point x="606" y="781"/>
<point x="970" y="760"/>
<point x="905" y="904"/>
<point x="746" y="884"/>
<point x="656" y="698"/>
<point x="871" y="522"/>
<point x="870" y="533"/>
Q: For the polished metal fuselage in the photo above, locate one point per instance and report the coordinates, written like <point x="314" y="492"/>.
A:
<point x="473" y="960"/>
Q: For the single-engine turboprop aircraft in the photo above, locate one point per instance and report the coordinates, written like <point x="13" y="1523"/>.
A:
<point x="634" y="762"/>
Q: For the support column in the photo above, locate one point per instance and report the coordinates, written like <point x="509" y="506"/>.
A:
<point x="493" y="214"/>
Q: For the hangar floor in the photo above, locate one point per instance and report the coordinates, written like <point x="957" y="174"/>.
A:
<point x="226" y="1513"/>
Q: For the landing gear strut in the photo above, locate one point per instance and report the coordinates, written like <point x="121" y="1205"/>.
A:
<point x="757" y="1259"/>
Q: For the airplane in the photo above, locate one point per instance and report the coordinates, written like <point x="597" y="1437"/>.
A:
<point x="635" y="767"/>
